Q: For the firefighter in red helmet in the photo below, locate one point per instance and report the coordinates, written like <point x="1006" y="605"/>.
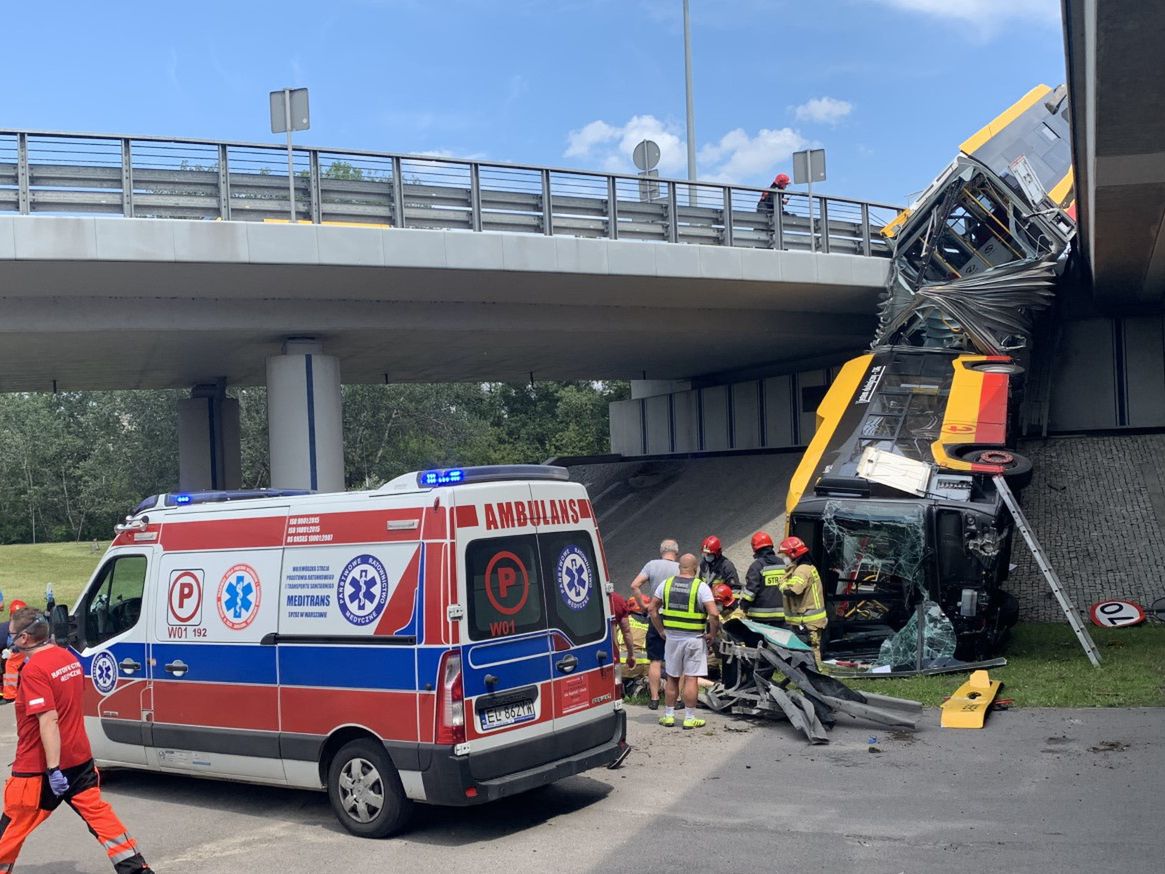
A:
<point x="762" y="598"/>
<point x="715" y="567"/>
<point x="767" y="198"/>
<point x="804" y="595"/>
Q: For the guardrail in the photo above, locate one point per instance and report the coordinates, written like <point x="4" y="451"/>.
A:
<point x="48" y="173"/>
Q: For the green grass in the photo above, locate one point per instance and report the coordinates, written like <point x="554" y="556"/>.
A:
<point x="1046" y="667"/>
<point x="25" y="568"/>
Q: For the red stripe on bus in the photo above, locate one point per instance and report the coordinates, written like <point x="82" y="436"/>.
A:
<point x="991" y="427"/>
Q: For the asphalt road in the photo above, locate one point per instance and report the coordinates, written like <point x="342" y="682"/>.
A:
<point x="1035" y="791"/>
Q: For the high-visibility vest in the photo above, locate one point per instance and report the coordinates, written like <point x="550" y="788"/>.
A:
<point x="806" y="608"/>
<point x="768" y="605"/>
<point x="12" y="674"/>
<point x="681" y="610"/>
<point x="638" y="626"/>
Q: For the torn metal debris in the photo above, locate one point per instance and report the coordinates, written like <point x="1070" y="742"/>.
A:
<point x="767" y="671"/>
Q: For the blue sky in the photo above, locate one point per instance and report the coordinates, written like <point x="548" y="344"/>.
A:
<point x="889" y="87"/>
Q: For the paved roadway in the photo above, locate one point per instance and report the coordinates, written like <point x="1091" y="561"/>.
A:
<point x="1033" y="792"/>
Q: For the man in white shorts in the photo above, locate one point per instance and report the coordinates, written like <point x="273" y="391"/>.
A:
<point x="684" y="613"/>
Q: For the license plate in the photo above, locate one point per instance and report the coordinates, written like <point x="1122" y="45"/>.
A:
<point x="506" y="714"/>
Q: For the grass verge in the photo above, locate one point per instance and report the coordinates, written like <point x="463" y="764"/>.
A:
<point x="26" y="567"/>
<point x="1046" y="667"/>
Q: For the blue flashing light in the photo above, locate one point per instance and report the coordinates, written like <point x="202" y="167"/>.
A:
<point x="183" y="499"/>
<point x="452" y="476"/>
<point x="448" y="477"/>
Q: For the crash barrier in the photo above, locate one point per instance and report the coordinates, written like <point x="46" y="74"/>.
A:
<point x="48" y="173"/>
<point x="766" y="671"/>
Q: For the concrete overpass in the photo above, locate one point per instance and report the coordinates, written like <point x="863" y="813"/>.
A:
<point x="144" y="263"/>
<point x="1116" y="80"/>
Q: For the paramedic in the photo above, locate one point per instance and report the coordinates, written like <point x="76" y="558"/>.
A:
<point x="653" y="573"/>
<point x="804" y="595"/>
<point x="53" y="760"/>
<point x="13" y="658"/>
<point x="684" y="612"/>
<point x="762" y="597"/>
<point x="620" y="611"/>
<point x="715" y="568"/>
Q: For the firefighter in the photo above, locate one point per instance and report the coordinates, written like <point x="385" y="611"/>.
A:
<point x="765" y="203"/>
<point x="727" y="602"/>
<point x="804" y="595"/>
<point x="763" y="601"/>
<point x="715" y="568"/>
<point x="54" y="762"/>
<point x="13" y="657"/>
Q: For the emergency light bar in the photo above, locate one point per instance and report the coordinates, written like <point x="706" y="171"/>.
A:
<point x="181" y="499"/>
<point x="451" y="476"/>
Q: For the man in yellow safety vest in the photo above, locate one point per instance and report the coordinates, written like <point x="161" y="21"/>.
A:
<point x="684" y="613"/>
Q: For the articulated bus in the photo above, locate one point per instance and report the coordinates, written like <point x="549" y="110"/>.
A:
<point x="881" y="551"/>
<point x="974" y="258"/>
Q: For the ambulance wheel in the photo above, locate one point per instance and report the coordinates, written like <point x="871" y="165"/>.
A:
<point x="366" y="792"/>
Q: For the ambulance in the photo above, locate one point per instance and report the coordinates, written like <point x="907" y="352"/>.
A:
<point x="443" y="639"/>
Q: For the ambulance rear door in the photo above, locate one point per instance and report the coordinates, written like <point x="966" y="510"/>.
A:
<point x="507" y="656"/>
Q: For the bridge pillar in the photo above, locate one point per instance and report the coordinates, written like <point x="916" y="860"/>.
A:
<point x="304" y="421"/>
<point x="209" y="449"/>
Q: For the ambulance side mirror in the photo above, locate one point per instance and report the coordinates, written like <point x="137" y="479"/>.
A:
<point x="62" y="625"/>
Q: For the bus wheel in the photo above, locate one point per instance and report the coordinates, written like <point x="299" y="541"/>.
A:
<point x="1016" y="468"/>
<point x="366" y="792"/>
<point x="1008" y="367"/>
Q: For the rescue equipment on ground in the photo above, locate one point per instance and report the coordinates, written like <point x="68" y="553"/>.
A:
<point x="968" y="706"/>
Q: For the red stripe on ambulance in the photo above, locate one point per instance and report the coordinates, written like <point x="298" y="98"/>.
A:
<point x="237" y="532"/>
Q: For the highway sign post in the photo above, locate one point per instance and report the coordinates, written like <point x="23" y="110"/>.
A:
<point x="289" y="113"/>
<point x="809" y="167"/>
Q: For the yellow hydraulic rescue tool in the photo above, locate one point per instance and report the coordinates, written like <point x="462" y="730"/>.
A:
<point x="968" y="706"/>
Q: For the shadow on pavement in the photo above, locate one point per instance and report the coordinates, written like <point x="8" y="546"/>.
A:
<point x="444" y="826"/>
<point x="457" y="826"/>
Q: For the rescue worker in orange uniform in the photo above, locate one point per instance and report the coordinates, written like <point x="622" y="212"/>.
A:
<point x="53" y="760"/>
<point x="763" y="601"/>
<point x="804" y="596"/>
<point x="13" y="658"/>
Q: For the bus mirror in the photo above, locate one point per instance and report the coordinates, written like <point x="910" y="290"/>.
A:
<point x="61" y="624"/>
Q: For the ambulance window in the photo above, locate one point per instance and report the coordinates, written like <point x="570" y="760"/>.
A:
<point x="505" y="592"/>
<point x="115" y="602"/>
<point x="574" y="588"/>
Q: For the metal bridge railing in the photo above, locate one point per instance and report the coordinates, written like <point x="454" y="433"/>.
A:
<point x="45" y="173"/>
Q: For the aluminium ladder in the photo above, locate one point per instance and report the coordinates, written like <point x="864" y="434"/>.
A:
<point x="1045" y="566"/>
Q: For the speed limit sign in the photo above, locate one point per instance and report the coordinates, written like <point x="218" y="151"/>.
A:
<point x="1111" y="614"/>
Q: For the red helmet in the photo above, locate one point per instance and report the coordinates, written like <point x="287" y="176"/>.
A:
<point x="16" y="604"/>
<point x="794" y="547"/>
<point x="760" y="541"/>
<point x="712" y="544"/>
<point x="722" y="592"/>
<point x="633" y="604"/>
<point x="781" y="181"/>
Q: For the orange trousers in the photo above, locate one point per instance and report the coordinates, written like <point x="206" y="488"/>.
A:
<point x="28" y="802"/>
<point x="12" y="674"/>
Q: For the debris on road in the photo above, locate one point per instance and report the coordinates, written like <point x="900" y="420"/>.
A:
<point x="968" y="706"/>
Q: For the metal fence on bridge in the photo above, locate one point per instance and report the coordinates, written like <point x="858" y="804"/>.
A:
<point x="44" y="173"/>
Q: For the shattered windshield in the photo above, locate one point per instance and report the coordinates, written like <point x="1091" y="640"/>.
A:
<point x="876" y="547"/>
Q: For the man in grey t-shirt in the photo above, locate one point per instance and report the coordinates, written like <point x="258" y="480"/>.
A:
<point x="653" y="574"/>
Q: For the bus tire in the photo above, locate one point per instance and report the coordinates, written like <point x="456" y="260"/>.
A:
<point x="1017" y="469"/>
<point x="365" y="790"/>
<point x="1008" y="367"/>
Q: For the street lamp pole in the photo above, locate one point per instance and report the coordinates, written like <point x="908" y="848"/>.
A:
<point x="688" y="87"/>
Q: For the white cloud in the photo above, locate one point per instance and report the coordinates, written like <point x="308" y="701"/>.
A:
<point x="749" y="160"/>
<point x="610" y="146"/>
<point x="823" y="110"/>
<point x="983" y="16"/>
<point x="737" y="156"/>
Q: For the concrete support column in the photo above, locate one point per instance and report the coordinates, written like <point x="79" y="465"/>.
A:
<point x="209" y="449"/>
<point x="304" y="421"/>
